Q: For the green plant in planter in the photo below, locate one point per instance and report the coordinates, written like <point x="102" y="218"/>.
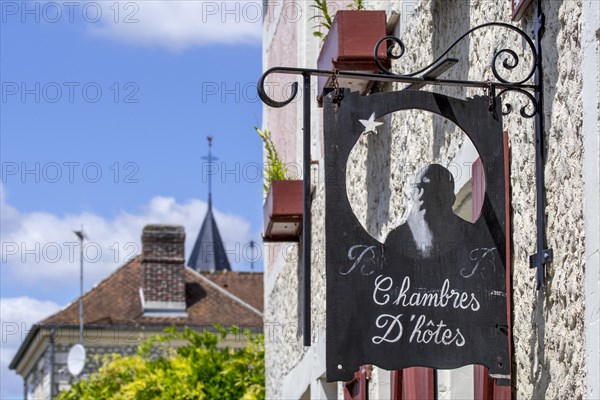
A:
<point x="326" y="18"/>
<point x="357" y="5"/>
<point x="275" y="169"/>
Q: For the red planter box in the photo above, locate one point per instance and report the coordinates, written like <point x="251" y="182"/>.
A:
<point x="349" y="47"/>
<point x="283" y="211"/>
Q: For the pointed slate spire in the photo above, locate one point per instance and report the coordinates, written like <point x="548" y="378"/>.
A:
<point x="209" y="253"/>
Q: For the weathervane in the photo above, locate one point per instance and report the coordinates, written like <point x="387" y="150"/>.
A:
<point x="210" y="160"/>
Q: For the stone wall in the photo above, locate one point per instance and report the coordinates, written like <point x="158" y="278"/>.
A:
<point x="93" y="360"/>
<point x="38" y="380"/>
<point x="283" y="347"/>
<point x="548" y="326"/>
<point x="288" y="41"/>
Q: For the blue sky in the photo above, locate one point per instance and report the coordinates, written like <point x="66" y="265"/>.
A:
<point x="108" y="106"/>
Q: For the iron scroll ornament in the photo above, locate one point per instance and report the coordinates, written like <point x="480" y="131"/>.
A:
<point x="521" y="88"/>
<point x="533" y="92"/>
<point x="510" y="62"/>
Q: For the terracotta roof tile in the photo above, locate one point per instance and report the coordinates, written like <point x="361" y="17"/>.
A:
<point x="241" y="284"/>
<point x="116" y="300"/>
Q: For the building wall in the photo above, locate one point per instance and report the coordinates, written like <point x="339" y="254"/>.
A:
<point x="548" y="326"/>
<point x="590" y="44"/>
<point x="94" y="355"/>
<point x="552" y="329"/>
<point x="292" y="370"/>
<point x="38" y="380"/>
<point x="100" y="345"/>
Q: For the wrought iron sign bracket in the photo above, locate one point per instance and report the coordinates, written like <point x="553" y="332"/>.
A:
<point x="543" y="255"/>
<point x="507" y="58"/>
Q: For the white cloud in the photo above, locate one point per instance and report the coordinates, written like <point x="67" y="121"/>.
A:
<point x="34" y="238"/>
<point x="41" y="248"/>
<point x="180" y="24"/>
<point x="17" y="315"/>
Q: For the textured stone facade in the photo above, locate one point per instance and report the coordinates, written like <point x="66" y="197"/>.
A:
<point x="549" y="326"/>
<point x="101" y="343"/>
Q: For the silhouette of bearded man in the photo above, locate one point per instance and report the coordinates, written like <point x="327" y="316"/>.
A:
<point x="431" y="228"/>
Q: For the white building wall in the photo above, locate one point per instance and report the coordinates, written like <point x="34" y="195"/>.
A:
<point x="294" y="371"/>
<point x="590" y="44"/>
<point x="556" y="348"/>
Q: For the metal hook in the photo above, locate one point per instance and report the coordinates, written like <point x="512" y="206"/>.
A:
<point x="491" y="93"/>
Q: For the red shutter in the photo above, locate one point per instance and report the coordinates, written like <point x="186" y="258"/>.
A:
<point x="413" y="383"/>
<point x="477" y="189"/>
<point x="485" y="387"/>
<point x="358" y="388"/>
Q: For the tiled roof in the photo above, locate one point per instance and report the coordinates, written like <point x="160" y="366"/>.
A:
<point x="233" y="298"/>
<point x="240" y="284"/>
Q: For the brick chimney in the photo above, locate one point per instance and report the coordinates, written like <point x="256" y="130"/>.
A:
<point x="163" y="283"/>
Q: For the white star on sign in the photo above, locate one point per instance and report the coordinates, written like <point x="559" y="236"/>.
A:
<point x="370" y="124"/>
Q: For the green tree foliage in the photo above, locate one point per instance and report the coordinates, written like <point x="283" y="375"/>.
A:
<point x="198" y="369"/>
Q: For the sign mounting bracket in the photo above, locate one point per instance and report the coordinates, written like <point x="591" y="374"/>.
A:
<point x="505" y="58"/>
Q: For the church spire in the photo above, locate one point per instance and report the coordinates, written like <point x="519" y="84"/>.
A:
<point x="209" y="253"/>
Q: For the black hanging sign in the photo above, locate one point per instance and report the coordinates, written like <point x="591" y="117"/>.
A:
<point x="433" y="294"/>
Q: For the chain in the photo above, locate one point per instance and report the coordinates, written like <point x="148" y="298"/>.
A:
<point x="337" y="94"/>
